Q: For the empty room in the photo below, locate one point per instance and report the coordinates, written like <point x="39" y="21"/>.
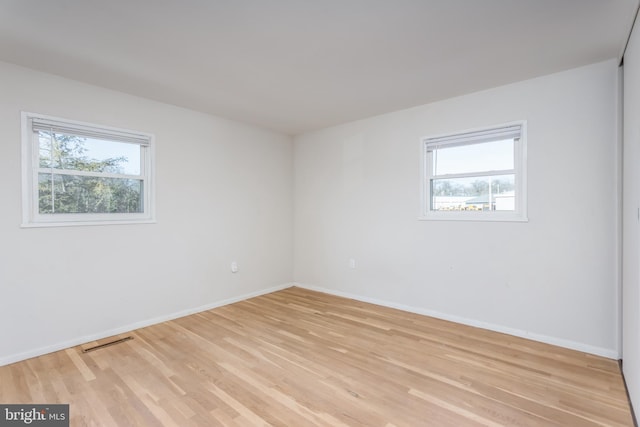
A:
<point x="319" y="213"/>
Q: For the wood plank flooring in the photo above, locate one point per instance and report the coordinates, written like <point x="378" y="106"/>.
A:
<point x="302" y="358"/>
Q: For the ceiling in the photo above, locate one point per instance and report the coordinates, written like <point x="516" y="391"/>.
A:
<point x="299" y="65"/>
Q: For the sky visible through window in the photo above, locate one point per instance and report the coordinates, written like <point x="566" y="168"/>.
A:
<point x="489" y="156"/>
<point x="100" y="150"/>
<point x="477" y="176"/>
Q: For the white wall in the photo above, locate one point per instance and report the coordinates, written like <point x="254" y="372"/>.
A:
<point x="631" y="219"/>
<point x="554" y="278"/>
<point x="224" y="193"/>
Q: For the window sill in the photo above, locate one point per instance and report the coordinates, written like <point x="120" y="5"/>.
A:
<point x="474" y="217"/>
<point x="84" y="223"/>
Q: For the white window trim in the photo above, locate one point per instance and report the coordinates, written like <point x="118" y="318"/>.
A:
<point x="30" y="213"/>
<point x="520" y="167"/>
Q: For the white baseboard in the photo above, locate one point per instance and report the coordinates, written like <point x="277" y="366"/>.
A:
<point x="599" y="351"/>
<point x="573" y="345"/>
<point x="6" y="360"/>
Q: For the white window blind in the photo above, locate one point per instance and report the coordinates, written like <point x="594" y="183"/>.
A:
<point x="48" y="125"/>
<point x="497" y="134"/>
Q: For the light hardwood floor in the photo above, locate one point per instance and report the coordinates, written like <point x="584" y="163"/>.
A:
<point x="301" y="358"/>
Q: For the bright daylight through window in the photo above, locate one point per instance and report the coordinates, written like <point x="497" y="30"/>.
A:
<point x="477" y="175"/>
<point x="77" y="173"/>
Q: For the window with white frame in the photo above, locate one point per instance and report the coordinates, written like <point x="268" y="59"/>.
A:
<point x="78" y="173"/>
<point x="476" y="175"/>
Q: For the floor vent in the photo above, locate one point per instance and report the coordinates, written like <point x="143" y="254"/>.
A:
<point x="107" y="344"/>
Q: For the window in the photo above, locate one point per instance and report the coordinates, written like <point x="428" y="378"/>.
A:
<point x="77" y="173"/>
<point x="478" y="175"/>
